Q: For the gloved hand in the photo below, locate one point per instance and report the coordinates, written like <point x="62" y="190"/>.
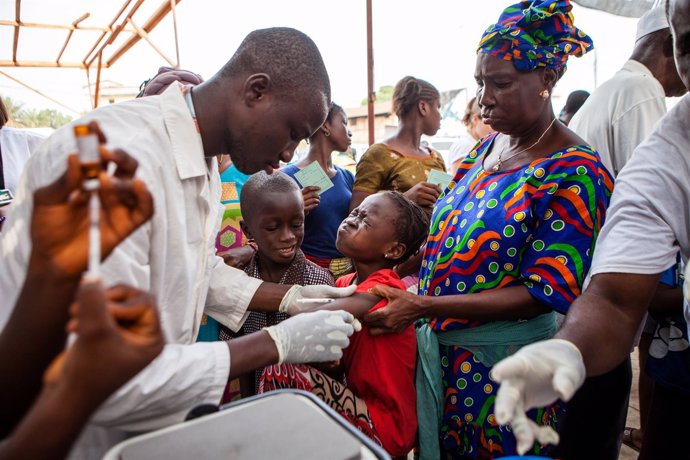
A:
<point x="299" y="299"/>
<point x="526" y="431"/>
<point x="536" y="376"/>
<point x="313" y="337"/>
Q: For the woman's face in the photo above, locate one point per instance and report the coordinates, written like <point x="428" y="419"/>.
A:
<point x="509" y="100"/>
<point x="340" y="134"/>
<point x="432" y="117"/>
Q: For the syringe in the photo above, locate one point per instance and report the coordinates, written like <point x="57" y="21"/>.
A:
<point x="90" y="159"/>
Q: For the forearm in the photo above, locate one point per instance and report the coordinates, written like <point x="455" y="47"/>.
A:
<point x="268" y="296"/>
<point x="357" y="304"/>
<point x="51" y="427"/>
<point x="35" y="331"/>
<point x="506" y="304"/>
<point x="251" y="352"/>
<point x="603" y="321"/>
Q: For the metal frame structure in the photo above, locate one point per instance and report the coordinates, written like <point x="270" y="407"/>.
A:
<point x="121" y="23"/>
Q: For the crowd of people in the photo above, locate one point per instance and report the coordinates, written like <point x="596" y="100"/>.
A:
<point x="483" y="318"/>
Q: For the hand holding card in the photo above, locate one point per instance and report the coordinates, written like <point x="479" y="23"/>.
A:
<point x="314" y="175"/>
<point x="439" y="178"/>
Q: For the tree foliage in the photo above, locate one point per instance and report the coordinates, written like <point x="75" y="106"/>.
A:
<point x="385" y="93"/>
<point x="33" y="118"/>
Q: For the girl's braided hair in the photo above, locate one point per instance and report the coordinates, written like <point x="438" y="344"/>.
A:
<point x="411" y="224"/>
<point x="409" y="91"/>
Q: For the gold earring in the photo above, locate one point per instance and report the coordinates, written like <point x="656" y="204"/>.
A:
<point x="326" y="133"/>
<point x="545" y="94"/>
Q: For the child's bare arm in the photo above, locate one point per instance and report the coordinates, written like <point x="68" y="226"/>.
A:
<point x="357" y="304"/>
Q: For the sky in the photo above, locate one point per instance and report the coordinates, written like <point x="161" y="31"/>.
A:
<point x="431" y="39"/>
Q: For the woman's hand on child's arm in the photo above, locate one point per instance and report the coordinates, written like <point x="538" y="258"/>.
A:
<point x="403" y="309"/>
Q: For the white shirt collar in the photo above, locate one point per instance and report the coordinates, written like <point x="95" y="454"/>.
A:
<point x="637" y="67"/>
<point x="188" y="149"/>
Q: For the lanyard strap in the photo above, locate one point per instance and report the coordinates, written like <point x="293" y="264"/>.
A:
<point x="187" y="91"/>
<point x="190" y="103"/>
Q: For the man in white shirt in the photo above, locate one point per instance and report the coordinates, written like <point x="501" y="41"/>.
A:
<point x="272" y="93"/>
<point x="648" y="222"/>
<point x="621" y="112"/>
<point x="618" y="116"/>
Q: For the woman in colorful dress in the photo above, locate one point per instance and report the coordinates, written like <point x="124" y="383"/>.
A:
<point x="510" y="243"/>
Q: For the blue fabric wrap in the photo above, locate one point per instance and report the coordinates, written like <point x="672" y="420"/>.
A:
<point x="489" y="342"/>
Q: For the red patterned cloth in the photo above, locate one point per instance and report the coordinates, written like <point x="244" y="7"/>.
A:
<point x="332" y="392"/>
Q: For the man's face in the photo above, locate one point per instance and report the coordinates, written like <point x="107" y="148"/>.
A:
<point x="272" y="130"/>
<point x="679" y="19"/>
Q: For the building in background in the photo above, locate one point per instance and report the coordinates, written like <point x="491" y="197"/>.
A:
<point x="111" y="92"/>
<point x="385" y="122"/>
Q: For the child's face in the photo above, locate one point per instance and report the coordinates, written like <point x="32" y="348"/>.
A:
<point x="369" y="231"/>
<point x="277" y="225"/>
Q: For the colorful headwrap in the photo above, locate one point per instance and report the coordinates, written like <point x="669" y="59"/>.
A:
<point x="538" y="33"/>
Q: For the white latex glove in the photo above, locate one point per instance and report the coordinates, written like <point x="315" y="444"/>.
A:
<point x="299" y="299"/>
<point x="313" y="337"/>
<point x="536" y="376"/>
<point x="526" y="431"/>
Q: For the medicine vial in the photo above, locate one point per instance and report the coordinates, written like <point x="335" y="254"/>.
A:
<point x="87" y="145"/>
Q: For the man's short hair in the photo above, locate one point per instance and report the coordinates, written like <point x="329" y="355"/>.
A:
<point x="288" y="56"/>
<point x="261" y="184"/>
